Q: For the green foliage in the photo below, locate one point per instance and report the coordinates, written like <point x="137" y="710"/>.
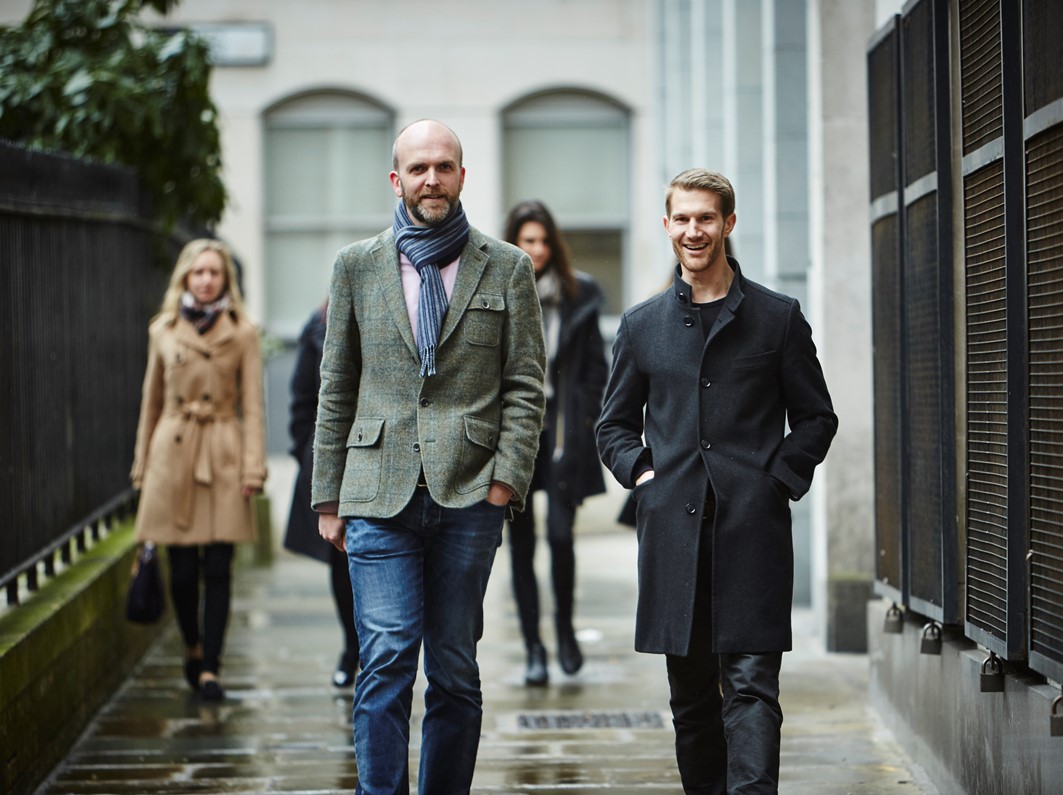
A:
<point x="85" y="77"/>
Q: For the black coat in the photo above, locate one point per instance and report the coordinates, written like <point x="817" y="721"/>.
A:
<point x="579" y="372"/>
<point x="301" y="535"/>
<point x="714" y="414"/>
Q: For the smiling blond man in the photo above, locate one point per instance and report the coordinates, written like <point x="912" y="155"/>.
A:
<point x="705" y="378"/>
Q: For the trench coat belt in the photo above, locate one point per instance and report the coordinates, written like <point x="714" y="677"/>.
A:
<point x="197" y="415"/>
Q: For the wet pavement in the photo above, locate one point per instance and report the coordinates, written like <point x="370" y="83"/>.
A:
<point x="284" y="728"/>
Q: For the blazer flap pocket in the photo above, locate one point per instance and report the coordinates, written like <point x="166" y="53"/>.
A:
<point x="365" y="432"/>
<point x="488" y="301"/>
<point x="754" y="361"/>
<point x="481" y="432"/>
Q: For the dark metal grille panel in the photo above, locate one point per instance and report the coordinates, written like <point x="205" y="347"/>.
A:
<point x="1042" y="53"/>
<point x="917" y="72"/>
<point x="923" y="334"/>
<point x="1044" y="240"/>
<point x="980" y="73"/>
<point x="882" y="116"/>
<point x="987" y="400"/>
<point x="886" y="306"/>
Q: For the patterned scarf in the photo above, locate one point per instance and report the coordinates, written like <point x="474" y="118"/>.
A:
<point x="429" y="248"/>
<point x="202" y="316"/>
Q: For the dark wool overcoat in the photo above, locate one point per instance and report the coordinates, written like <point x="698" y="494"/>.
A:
<point x="579" y="371"/>
<point x="713" y="414"/>
<point x="301" y="535"/>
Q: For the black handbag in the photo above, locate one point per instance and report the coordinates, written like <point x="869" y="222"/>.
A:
<point x="146" y="599"/>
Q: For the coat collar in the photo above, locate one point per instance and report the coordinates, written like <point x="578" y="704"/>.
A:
<point x="681" y="293"/>
<point x="223" y="330"/>
<point x="471" y="266"/>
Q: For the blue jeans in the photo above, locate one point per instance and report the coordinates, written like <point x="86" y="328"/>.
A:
<point x="420" y="575"/>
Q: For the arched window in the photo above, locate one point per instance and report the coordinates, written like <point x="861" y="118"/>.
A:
<point x="571" y="150"/>
<point x="327" y="156"/>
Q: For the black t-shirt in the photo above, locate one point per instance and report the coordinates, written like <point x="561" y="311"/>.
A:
<point x="707" y="314"/>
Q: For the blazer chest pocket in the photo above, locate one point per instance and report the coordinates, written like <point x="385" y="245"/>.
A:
<point x="483" y="319"/>
<point x="361" y="475"/>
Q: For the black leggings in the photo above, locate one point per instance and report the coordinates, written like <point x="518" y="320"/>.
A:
<point x="560" y="518"/>
<point x="215" y="560"/>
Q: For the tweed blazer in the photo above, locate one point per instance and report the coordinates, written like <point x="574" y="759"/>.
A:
<point x="475" y="421"/>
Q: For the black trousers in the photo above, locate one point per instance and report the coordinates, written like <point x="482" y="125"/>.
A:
<point x="725" y="707"/>
<point x="343" y="596"/>
<point x="214" y="561"/>
<point x="560" y="520"/>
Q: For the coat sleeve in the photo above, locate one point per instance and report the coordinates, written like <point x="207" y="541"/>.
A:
<point x="523" y="366"/>
<point x="809" y="411"/>
<point x="619" y="430"/>
<point x="151" y="402"/>
<point x="252" y="421"/>
<point x="338" y="398"/>
<point x="304" y="386"/>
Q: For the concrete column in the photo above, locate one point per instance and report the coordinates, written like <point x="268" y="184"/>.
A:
<point x="743" y="151"/>
<point x="840" y="311"/>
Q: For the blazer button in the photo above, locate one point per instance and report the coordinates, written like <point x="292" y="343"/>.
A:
<point x="688" y="321"/>
<point x="705" y="382"/>
<point x="705" y="444"/>
<point x="425" y="402"/>
<point x="691" y="508"/>
<point x="416" y="447"/>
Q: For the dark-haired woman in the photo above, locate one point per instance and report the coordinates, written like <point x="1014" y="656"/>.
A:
<point x="200" y="453"/>
<point x="567" y="467"/>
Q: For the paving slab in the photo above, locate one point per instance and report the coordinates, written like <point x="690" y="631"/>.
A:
<point x="284" y="728"/>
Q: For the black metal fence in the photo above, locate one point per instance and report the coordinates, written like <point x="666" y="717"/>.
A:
<point x="969" y="524"/>
<point x="82" y="269"/>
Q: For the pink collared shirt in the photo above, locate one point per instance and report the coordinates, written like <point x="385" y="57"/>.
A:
<point x="411" y="285"/>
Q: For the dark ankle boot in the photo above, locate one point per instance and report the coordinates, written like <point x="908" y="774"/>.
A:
<point x="568" y="653"/>
<point x="535" y="675"/>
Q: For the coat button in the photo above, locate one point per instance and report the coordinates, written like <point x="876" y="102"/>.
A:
<point x="359" y="436"/>
<point x="425" y="402"/>
<point x="206" y="396"/>
<point x="682" y="298"/>
<point x="485" y="304"/>
<point x="177" y="439"/>
<point x="416" y="447"/>
<point x="688" y="321"/>
<point x="691" y="508"/>
<point x="705" y="382"/>
<point x="705" y="444"/>
<point x="180" y="400"/>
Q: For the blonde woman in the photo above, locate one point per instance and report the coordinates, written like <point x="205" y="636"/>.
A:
<point x="199" y="454"/>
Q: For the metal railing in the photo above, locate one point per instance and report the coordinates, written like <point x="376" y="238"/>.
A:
<point x="82" y="269"/>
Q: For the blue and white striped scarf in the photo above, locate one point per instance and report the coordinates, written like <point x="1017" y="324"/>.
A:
<point x="429" y="248"/>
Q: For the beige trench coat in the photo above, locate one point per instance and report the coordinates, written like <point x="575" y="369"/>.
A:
<point x="201" y="435"/>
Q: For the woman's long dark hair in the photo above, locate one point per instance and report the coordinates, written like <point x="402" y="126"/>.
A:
<point x="536" y="211"/>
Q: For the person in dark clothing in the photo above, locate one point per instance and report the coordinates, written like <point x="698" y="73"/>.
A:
<point x="705" y="379"/>
<point x="566" y="466"/>
<point x="302" y="536"/>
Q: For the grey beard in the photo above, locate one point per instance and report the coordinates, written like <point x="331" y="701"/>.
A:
<point x="433" y="219"/>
